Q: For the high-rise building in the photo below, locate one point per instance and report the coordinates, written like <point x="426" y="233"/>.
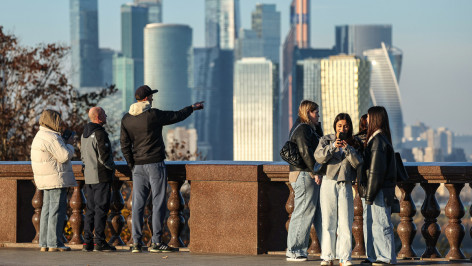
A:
<point x="128" y="74"/>
<point x="300" y="22"/>
<point x="213" y="83"/>
<point x="154" y="9"/>
<point x="255" y="110"/>
<point x="168" y="64"/>
<point x="84" y="43"/>
<point x="309" y="80"/>
<point x="355" y="39"/>
<point x="248" y="44"/>
<point x="133" y="20"/>
<point x="384" y="89"/>
<point x="266" y="24"/>
<point x="106" y="66"/>
<point x="344" y="89"/>
<point x="222" y="23"/>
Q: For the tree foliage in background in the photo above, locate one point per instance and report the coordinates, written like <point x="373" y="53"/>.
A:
<point x="31" y="80"/>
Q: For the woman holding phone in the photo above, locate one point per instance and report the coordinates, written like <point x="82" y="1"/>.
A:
<point x="340" y="152"/>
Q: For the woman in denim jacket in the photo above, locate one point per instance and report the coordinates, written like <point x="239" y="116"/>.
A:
<point x="342" y="157"/>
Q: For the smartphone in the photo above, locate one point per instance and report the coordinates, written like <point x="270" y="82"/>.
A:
<point x="342" y="136"/>
<point x="67" y="134"/>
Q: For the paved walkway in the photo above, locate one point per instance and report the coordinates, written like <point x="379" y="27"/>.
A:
<point x="30" y="256"/>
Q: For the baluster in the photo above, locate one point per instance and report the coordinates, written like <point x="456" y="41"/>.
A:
<point x="290" y="205"/>
<point x="455" y="231"/>
<point x="406" y="229"/>
<point x="358" y="226"/>
<point x="176" y="221"/>
<point x="430" y="229"/>
<point x="77" y="203"/>
<point x="315" y="247"/>
<point x="37" y="203"/>
<point x="187" y="206"/>
<point x="129" y="206"/>
<point x="116" y="221"/>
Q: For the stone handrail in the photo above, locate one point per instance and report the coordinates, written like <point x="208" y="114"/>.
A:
<point x="247" y="198"/>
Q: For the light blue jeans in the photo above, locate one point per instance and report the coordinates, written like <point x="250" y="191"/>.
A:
<point x="378" y="231"/>
<point x="306" y="212"/>
<point x="53" y="215"/>
<point x="337" y="210"/>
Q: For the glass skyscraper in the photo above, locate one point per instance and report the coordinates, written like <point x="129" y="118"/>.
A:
<point x="248" y="44"/>
<point x="384" y="87"/>
<point x="344" y="89"/>
<point x="355" y="39"/>
<point x="222" y="22"/>
<point x="266" y="24"/>
<point x="213" y="83"/>
<point x="168" y="61"/>
<point x="84" y="43"/>
<point x="154" y="9"/>
<point x="255" y="110"/>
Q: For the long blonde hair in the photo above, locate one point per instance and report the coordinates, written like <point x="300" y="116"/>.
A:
<point x="305" y="107"/>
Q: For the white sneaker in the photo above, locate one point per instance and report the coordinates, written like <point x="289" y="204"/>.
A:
<point x="345" y="263"/>
<point x="299" y="258"/>
<point x="327" y="262"/>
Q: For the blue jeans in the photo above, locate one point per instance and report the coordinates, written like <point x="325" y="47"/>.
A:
<point x="53" y="215"/>
<point x="378" y="231"/>
<point x="337" y="210"/>
<point x="306" y="211"/>
<point x="149" y="178"/>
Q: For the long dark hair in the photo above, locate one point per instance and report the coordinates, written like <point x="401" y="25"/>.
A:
<point x="378" y="119"/>
<point x="363" y="123"/>
<point x="344" y="116"/>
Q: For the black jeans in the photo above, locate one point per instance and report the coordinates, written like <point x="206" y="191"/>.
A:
<point x="98" y="204"/>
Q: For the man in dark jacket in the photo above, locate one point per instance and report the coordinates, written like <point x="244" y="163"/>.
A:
<point x="99" y="170"/>
<point x="143" y="148"/>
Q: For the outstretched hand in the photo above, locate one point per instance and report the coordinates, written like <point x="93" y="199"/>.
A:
<point x="198" y="105"/>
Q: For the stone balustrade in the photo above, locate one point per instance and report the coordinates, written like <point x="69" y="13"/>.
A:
<point x="238" y="207"/>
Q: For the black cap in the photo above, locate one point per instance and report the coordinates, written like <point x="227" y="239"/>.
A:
<point x="143" y="92"/>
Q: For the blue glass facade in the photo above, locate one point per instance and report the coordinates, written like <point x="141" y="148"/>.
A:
<point x="355" y="39"/>
<point x="84" y="43"/>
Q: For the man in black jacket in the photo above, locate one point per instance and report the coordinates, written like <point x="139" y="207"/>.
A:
<point x="99" y="169"/>
<point x="143" y="148"/>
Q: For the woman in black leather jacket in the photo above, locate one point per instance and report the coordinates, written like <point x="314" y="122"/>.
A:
<point x="305" y="184"/>
<point x="377" y="189"/>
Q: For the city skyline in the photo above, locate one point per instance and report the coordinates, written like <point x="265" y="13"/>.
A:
<point x="433" y="93"/>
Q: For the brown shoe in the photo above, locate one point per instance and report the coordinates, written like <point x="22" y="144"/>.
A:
<point x="43" y="249"/>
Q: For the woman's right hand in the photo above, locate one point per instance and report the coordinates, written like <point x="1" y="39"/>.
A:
<point x="318" y="179"/>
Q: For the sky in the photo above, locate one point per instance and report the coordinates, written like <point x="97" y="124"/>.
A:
<point x="434" y="35"/>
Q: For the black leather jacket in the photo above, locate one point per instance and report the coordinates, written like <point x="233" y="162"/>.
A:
<point x="380" y="170"/>
<point x="307" y="139"/>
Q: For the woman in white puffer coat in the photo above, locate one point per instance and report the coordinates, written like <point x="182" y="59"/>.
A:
<point x="52" y="168"/>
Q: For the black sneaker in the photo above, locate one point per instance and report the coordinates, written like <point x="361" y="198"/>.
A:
<point x="160" y="247"/>
<point x="103" y="246"/>
<point x="87" y="247"/>
<point x="381" y="263"/>
<point x="136" y="248"/>
<point x="366" y="262"/>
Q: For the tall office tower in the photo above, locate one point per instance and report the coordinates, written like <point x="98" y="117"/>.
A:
<point x="106" y="66"/>
<point x="154" y="9"/>
<point x="248" y="44"/>
<point x="355" y="39"/>
<point x="84" y="43"/>
<point x="266" y="23"/>
<point x="255" y="110"/>
<point x="344" y="89"/>
<point x="384" y="89"/>
<point x="133" y="21"/>
<point x="309" y="80"/>
<point x="168" y="65"/>
<point x="222" y="23"/>
<point x="298" y="37"/>
<point x="128" y="66"/>
<point x="128" y="74"/>
<point x="213" y="83"/>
